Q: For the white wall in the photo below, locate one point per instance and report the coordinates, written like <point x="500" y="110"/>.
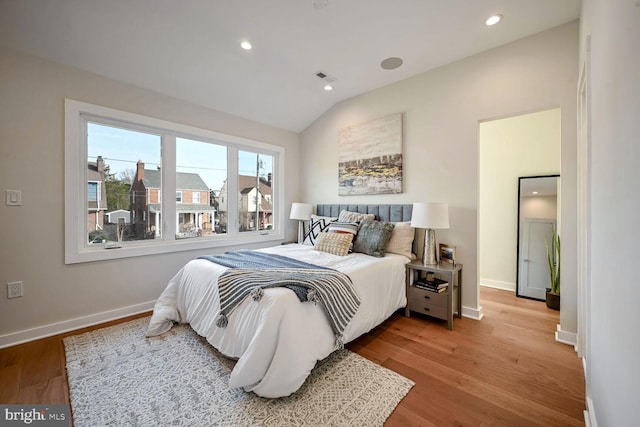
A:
<point x="612" y="315"/>
<point x="442" y="109"/>
<point x="523" y="145"/>
<point x="32" y="93"/>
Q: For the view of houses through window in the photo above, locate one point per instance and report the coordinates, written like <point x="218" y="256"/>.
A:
<point x="112" y="162"/>
<point x="124" y="187"/>
<point x="255" y="204"/>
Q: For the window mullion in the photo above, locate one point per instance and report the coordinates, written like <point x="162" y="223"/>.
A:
<point x="169" y="214"/>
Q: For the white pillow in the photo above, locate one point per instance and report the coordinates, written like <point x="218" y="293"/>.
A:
<point x="401" y="241"/>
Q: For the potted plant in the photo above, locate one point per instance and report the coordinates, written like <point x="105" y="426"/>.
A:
<point x="553" y="259"/>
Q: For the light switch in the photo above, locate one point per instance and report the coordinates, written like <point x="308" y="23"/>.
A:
<point x="14" y="198"/>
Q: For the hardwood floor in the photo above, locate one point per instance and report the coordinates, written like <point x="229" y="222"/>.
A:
<point x="506" y="370"/>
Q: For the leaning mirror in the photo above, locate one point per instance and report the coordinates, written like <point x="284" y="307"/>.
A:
<point x="538" y="216"/>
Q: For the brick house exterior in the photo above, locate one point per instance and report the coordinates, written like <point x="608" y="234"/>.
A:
<point x="194" y="216"/>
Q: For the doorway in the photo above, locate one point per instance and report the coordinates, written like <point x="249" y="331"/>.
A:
<point x="523" y="145"/>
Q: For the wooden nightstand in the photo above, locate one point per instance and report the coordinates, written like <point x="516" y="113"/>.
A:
<point x="435" y="304"/>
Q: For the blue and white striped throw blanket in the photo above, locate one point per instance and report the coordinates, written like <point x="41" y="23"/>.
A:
<point x="250" y="272"/>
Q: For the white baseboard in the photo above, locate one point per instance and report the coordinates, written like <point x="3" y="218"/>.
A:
<point x="590" y="415"/>
<point x="32" y="334"/>
<point x="570" y="338"/>
<point x="496" y="284"/>
<point x="472" y="313"/>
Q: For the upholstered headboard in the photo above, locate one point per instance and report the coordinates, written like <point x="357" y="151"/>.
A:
<point x="393" y="213"/>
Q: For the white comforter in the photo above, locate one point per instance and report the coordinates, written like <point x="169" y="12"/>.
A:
<point x="278" y="340"/>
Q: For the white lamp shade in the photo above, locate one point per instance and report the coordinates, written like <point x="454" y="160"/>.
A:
<point x="301" y="211"/>
<point x="430" y="215"/>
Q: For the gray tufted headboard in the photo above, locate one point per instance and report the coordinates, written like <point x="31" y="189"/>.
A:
<point x="393" y="213"/>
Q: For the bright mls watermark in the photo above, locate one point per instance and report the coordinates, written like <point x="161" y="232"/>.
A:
<point x="36" y="415"/>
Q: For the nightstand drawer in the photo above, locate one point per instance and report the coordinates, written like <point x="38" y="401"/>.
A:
<point x="429" y="309"/>
<point x="419" y="296"/>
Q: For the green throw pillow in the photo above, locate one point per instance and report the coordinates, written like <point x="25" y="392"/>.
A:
<point x="373" y="238"/>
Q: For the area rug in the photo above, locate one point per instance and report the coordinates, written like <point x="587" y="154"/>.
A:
<point x="118" y="377"/>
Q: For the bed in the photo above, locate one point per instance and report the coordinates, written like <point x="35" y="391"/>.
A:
<point x="277" y="340"/>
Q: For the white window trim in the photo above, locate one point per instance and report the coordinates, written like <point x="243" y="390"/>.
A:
<point x="76" y="249"/>
<point x="181" y="195"/>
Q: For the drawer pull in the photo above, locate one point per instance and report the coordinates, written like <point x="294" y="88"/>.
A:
<point x="426" y="309"/>
<point x="427" y="297"/>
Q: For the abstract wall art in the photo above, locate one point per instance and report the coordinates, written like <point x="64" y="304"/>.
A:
<point x="370" y="157"/>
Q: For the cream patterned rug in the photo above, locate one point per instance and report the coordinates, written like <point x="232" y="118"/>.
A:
<point x="118" y="377"/>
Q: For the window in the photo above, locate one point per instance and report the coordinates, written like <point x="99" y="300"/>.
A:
<point x="201" y="167"/>
<point x="254" y="183"/>
<point x="126" y="163"/>
<point x="92" y="193"/>
<point x="118" y="161"/>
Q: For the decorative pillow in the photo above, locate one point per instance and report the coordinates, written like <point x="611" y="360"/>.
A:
<point x="347" y="216"/>
<point x="334" y="243"/>
<point x="401" y="241"/>
<point x="373" y="238"/>
<point x="318" y="225"/>
<point x="345" y="227"/>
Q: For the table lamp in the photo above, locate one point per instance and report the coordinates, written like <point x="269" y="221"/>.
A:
<point x="301" y="212"/>
<point x="430" y="216"/>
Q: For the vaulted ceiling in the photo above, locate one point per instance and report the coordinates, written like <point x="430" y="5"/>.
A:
<point x="190" y="49"/>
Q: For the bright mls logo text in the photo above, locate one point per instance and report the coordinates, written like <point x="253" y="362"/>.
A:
<point x="38" y="414"/>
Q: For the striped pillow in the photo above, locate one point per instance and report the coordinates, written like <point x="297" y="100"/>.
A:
<point x="334" y="243"/>
<point x="344" y="227"/>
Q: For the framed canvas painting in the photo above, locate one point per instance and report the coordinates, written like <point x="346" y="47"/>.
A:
<point x="370" y="157"/>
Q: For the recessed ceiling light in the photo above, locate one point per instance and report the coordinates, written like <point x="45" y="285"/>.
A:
<point x="246" y="45"/>
<point x="493" y="20"/>
<point x="320" y="4"/>
<point x="328" y="87"/>
<point x="391" y="63"/>
<point x="535" y="192"/>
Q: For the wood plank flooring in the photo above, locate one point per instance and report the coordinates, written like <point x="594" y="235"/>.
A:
<point x="506" y="370"/>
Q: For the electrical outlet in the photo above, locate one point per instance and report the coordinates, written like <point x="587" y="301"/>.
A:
<point x="14" y="290"/>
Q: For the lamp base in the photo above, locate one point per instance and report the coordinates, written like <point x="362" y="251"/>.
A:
<point x="300" y="232"/>
<point x="429" y="254"/>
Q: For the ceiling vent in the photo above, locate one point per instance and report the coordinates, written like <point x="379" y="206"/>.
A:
<point x="325" y="77"/>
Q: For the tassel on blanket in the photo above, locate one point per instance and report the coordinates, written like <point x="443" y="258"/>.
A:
<point x="339" y="342"/>
<point x="312" y="296"/>
<point x="257" y="294"/>
<point x="221" y="321"/>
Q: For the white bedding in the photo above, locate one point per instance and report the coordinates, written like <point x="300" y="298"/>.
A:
<point x="278" y="340"/>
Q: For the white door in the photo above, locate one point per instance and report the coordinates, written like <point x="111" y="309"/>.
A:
<point x="534" y="276"/>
